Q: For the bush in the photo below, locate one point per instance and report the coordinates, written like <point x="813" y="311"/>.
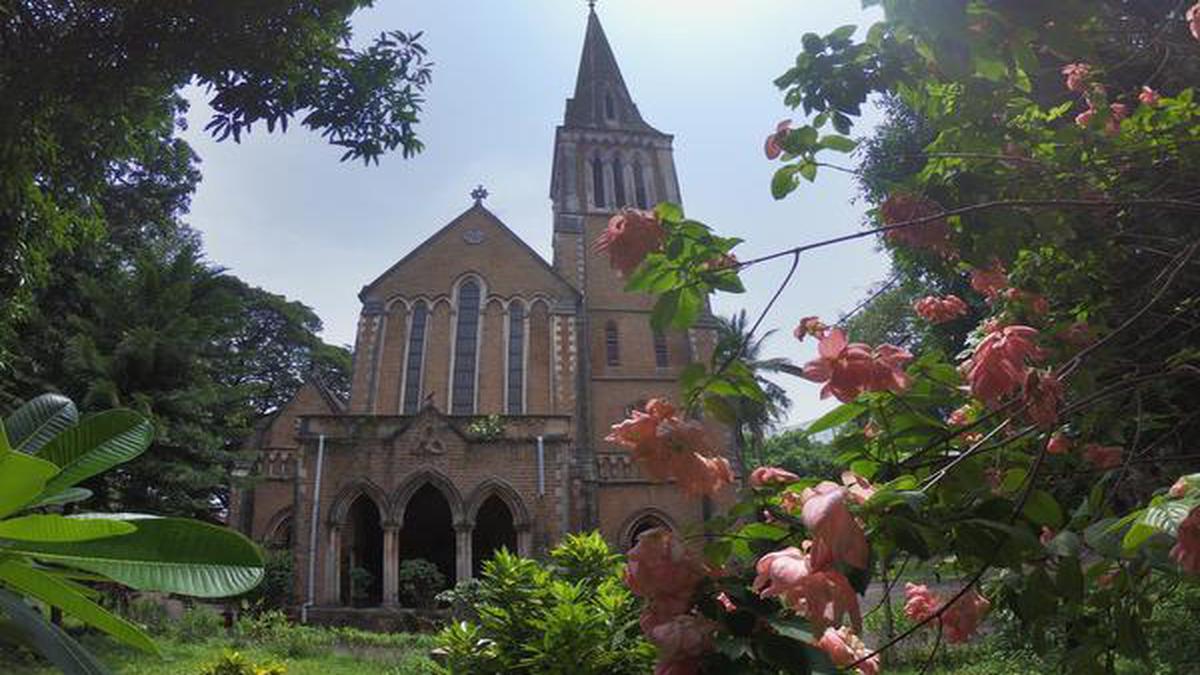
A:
<point x="272" y="630"/>
<point x="277" y="590"/>
<point x="150" y="614"/>
<point x="420" y="581"/>
<point x="361" y="581"/>
<point x="462" y="600"/>
<point x="199" y="623"/>
<point x="233" y="663"/>
<point x="575" y="614"/>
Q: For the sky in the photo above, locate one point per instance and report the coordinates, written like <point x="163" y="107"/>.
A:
<point x="281" y="212"/>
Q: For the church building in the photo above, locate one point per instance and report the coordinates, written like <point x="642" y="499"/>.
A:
<point x="485" y="380"/>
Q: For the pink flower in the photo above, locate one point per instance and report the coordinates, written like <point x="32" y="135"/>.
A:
<point x="631" y="235"/>
<point x="667" y="446"/>
<point x="1085" y="118"/>
<point x="1149" y="96"/>
<point x="663" y="571"/>
<point x="858" y="489"/>
<point x="960" y="417"/>
<point x="774" y="145"/>
<point x="771" y="475"/>
<point x="1077" y="76"/>
<point x="870" y="431"/>
<point x="823" y="596"/>
<point x="1179" y="489"/>
<point x="837" y="536"/>
<point x="1047" y="536"/>
<point x="681" y="642"/>
<point x="933" y="234"/>
<point x="844" y="648"/>
<point x="997" y="366"/>
<point x="726" y="602"/>
<point x="989" y="282"/>
<point x="919" y="602"/>
<point x="1116" y="113"/>
<point x="940" y="310"/>
<point x="1193" y="19"/>
<point x="1058" y="444"/>
<point x="1036" y="302"/>
<point x="810" y="325"/>
<point x="1043" y="394"/>
<point x="1186" y="552"/>
<point x="961" y="621"/>
<point x="1103" y="456"/>
<point x="849" y="369"/>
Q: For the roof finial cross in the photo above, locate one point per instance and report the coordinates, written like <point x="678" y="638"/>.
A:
<point x="591" y="5"/>
<point x="479" y="194"/>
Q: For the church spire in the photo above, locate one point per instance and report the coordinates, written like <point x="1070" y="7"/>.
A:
<point x="601" y="98"/>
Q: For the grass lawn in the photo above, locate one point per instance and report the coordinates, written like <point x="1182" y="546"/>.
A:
<point x="407" y="656"/>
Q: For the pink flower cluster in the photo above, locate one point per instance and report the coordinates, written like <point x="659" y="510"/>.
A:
<point x="1112" y="126"/>
<point x="959" y="621"/>
<point x="940" y="310"/>
<point x="845" y="648"/>
<point x="1148" y="96"/>
<point x="849" y="369"/>
<point x="665" y="574"/>
<point x="1193" y="19"/>
<point x="997" y="366"/>
<point x="667" y="446"/>
<point x="774" y="145"/>
<point x="631" y="235"/>
<point x="810" y="326"/>
<point x="932" y="234"/>
<point x="765" y="476"/>
<point x="1077" y="75"/>
<point x="1042" y="395"/>
<point x="989" y="282"/>
<point x="1186" y="552"/>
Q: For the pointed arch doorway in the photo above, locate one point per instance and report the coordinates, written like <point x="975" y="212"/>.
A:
<point x="494" y="529"/>
<point x="427" y="532"/>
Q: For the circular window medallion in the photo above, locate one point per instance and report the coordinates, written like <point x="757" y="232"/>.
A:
<point x="473" y="237"/>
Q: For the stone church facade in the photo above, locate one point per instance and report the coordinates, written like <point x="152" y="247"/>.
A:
<point x="473" y="324"/>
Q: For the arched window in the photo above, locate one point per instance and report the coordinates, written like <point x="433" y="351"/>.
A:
<point x="610" y="111"/>
<point x="516" y="358"/>
<point x="416" y="356"/>
<point x="639" y="185"/>
<point x="661" y="355"/>
<point x="598" y="181"/>
<point x="612" y="344"/>
<point x="619" y="183"/>
<point x="466" y="342"/>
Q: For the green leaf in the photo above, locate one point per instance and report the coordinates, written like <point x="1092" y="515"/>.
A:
<point x="49" y="640"/>
<point x="1042" y="509"/>
<point x="838" y="143"/>
<point x="54" y="592"/>
<point x="68" y="496"/>
<point x="843" y="414"/>
<point x="784" y="181"/>
<point x="21" y="480"/>
<point x="95" y="445"/>
<point x="808" y="170"/>
<point x="173" y="555"/>
<point x="61" y="528"/>
<point x="37" y="421"/>
<point x="669" y="212"/>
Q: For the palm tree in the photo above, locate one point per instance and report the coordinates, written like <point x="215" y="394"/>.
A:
<point x="752" y="419"/>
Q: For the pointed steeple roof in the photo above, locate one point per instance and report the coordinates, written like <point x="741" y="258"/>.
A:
<point x="601" y="98"/>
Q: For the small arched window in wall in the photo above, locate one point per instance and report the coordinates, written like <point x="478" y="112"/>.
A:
<point x="416" y="356"/>
<point x="612" y="344"/>
<point x="466" y="342"/>
<point x="516" y="358"/>
<point x="619" y="183"/>
<point x="610" y="110"/>
<point x="598" y="182"/>
<point x="662" y="357"/>
<point x="639" y="185"/>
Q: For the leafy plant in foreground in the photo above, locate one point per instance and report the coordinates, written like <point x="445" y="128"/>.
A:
<point x="45" y="450"/>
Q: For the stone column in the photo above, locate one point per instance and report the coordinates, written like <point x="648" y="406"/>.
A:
<point x="462" y="551"/>
<point x="331" y="593"/>
<point x="391" y="564"/>
<point x="525" y="541"/>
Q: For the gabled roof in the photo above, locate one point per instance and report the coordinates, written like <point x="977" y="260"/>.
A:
<point x="478" y="209"/>
<point x="599" y="79"/>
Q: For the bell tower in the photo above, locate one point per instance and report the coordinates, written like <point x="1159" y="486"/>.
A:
<point x="607" y="157"/>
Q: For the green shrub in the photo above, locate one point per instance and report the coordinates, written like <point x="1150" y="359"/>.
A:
<point x="420" y="581"/>
<point x="277" y="590"/>
<point x="574" y="614"/>
<point x="462" y="600"/>
<point x="233" y="663"/>
<point x="150" y="614"/>
<point x="273" y="631"/>
<point x="198" y="624"/>
<point x="361" y="581"/>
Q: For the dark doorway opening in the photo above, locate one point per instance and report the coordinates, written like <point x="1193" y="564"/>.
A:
<point x="362" y="555"/>
<point x="494" y="530"/>
<point x="429" y="531"/>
